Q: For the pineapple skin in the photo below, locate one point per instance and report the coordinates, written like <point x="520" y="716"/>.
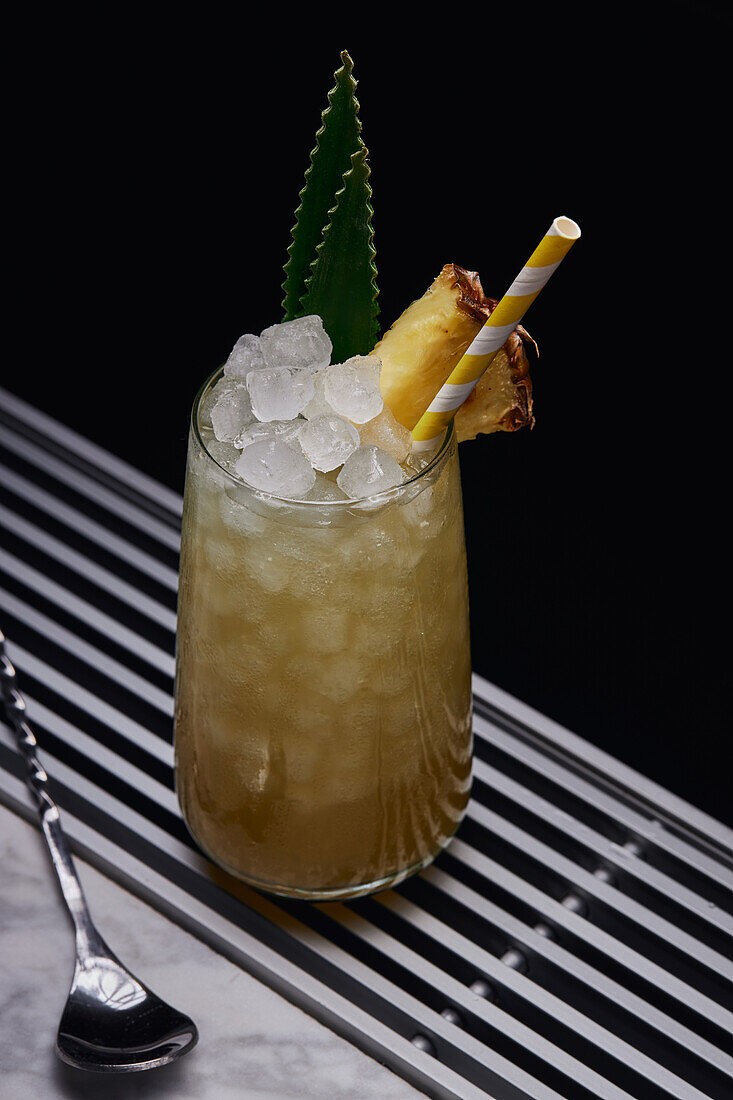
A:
<point x="428" y="340"/>
<point x="501" y="401"/>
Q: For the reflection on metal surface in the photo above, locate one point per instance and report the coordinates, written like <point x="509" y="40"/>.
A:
<point x="97" y="979"/>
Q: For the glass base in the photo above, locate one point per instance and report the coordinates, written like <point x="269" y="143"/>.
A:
<point x="336" y="893"/>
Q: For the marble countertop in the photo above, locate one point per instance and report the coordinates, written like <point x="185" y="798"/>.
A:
<point x="253" y="1044"/>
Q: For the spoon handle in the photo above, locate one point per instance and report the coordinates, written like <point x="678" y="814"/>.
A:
<point x="88" y="939"/>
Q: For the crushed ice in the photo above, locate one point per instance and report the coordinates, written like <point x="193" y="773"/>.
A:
<point x="283" y="416"/>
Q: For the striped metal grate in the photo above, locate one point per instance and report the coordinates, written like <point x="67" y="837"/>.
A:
<point x="575" y="940"/>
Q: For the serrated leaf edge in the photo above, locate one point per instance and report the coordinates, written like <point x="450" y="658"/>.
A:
<point x="347" y="67"/>
<point x="360" y="157"/>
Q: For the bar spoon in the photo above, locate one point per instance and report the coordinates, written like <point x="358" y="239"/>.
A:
<point x="112" y="1023"/>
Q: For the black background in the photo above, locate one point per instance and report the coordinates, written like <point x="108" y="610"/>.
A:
<point x="155" y="169"/>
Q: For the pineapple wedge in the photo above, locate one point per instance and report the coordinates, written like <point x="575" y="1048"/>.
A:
<point x="501" y="401"/>
<point x="426" y="342"/>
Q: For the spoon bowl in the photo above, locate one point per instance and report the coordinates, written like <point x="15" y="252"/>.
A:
<point x="113" y="1024"/>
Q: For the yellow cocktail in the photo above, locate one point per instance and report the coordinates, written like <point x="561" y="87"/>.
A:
<point x="323" y="705"/>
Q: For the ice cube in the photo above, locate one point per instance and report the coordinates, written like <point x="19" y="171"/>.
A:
<point x="246" y="355"/>
<point x="417" y="512"/>
<point x="226" y="454"/>
<point x="418" y="460"/>
<point x="279" y="393"/>
<point x="287" y="430"/>
<point x="327" y="441"/>
<point x="367" y="471"/>
<point x="232" y="412"/>
<point x="385" y="431"/>
<point x="300" y="343"/>
<point x="238" y="518"/>
<point x="318" y="406"/>
<point x="275" y="466"/>
<point x="326" y="490"/>
<point x="224" y="385"/>
<point x="352" y="388"/>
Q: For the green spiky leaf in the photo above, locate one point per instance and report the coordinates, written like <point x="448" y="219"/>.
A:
<point x="341" y="287"/>
<point x="336" y="140"/>
<point x="330" y="268"/>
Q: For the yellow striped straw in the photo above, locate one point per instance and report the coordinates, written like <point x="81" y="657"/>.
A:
<point x="546" y="258"/>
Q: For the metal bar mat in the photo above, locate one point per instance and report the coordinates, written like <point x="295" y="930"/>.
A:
<point x="575" y="939"/>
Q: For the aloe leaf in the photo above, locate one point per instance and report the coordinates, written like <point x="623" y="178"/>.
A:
<point x="336" y="141"/>
<point x="341" y="287"/>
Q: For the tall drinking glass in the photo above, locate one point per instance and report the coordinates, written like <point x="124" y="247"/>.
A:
<point x="323" y="703"/>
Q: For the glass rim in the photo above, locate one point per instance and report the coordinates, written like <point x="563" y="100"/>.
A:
<point x="384" y="497"/>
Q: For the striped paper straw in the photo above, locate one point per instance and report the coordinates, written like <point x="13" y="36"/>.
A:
<point x="546" y="258"/>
